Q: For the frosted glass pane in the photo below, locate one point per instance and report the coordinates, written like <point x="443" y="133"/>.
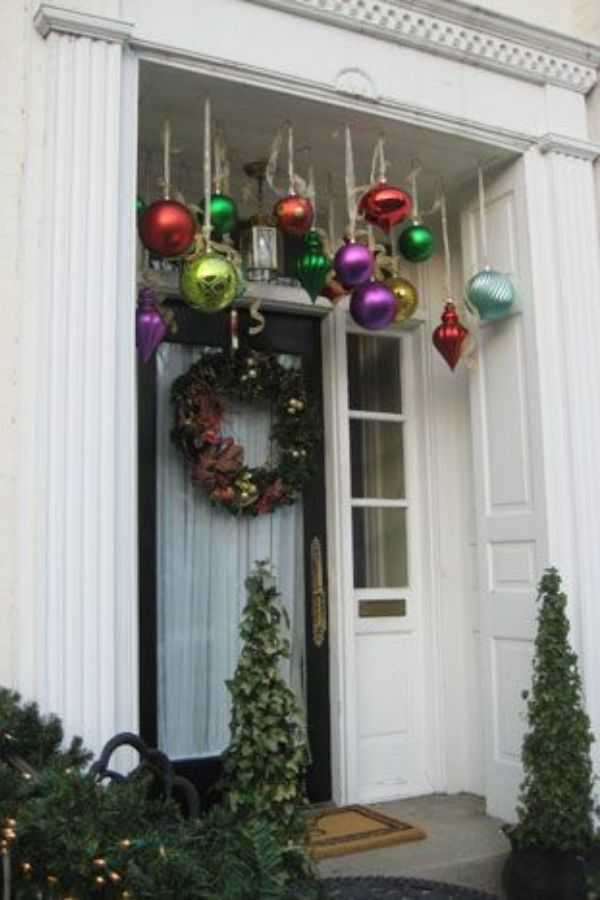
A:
<point x="380" y="547"/>
<point x="374" y="374"/>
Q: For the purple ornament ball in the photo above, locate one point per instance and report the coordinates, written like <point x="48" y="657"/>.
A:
<point x="354" y="264"/>
<point x="373" y="306"/>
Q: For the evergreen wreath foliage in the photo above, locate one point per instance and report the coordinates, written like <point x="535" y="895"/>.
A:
<point x="216" y="462"/>
<point x="265" y="764"/>
<point x="555" y="810"/>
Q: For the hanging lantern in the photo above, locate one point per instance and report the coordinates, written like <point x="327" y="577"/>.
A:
<point x="223" y="214"/>
<point x="354" y="264"/>
<point x="150" y="326"/>
<point x="385" y="206"/>
<point x="449" y="337"/>
<point x="406" y="296"/>
<point x="294" y="215"/>
<point x="313" y="266"/>
<point x="209" y="283"/>
<point x="373" y="306"/>
<point x="167" y="228"/>
<point x="492" y="294"/>
<point x="416" y="243"/>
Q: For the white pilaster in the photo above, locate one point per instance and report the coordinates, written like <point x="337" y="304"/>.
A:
<point x="78" y="624"/>
<point x="563" y="223"/>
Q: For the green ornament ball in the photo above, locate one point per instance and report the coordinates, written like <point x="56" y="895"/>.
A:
<point x="223" y="213"/>
<point x="313" y="267"/>
<point x="140" y="206"/>
<point x="209" y="283"/>
<point x="492" y="294"/>
<point x="416" y="243"/>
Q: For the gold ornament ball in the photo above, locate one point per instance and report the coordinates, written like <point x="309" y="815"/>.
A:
<point x="209" y="283"/>
<point x="406" y="295"/>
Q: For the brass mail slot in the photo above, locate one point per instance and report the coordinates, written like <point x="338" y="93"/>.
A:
<point x="373" y="609"/>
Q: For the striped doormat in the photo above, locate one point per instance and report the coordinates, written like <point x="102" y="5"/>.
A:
<point x="354" y="829"/>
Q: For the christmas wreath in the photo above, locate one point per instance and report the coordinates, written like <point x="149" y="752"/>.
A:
<point x="216" y="461"/>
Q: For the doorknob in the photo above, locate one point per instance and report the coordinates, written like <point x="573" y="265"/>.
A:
<point x="319" y="598"/>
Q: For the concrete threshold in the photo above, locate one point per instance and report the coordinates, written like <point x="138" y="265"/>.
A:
<point x="464" y="846"/>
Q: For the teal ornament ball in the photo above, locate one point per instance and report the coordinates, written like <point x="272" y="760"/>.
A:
<point x="492" y="294"/>
<point x="313" y="267"/>
<point x="416" y="243"/>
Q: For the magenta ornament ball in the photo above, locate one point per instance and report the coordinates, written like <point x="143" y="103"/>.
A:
<point x="353" y="264"/>
<point x="373" y="306"/>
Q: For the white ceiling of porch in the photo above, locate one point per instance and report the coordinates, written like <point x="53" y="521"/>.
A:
<point x="250" y="117"/>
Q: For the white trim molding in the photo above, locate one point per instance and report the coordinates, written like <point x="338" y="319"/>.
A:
<point x="558" y="143"/>
<point x="464" y="32"/>
<point x="50" y="18"/>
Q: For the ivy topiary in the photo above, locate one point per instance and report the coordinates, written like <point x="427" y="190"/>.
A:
<point x="556" y="806"/>
<point x="265" y="764"/>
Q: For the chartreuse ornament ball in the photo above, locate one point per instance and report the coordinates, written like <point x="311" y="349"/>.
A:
<point x="209" y="283"/>
<point x="313" y="266"/>
<point x="492" y="294"/>
<point x="416" y="243"/>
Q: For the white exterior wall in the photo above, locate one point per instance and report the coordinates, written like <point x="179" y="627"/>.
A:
<point x="492" y="101"/>
<point x="15" y="37"/>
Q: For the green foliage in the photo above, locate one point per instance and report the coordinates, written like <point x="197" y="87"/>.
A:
<point x="265" y="764"/>
<point x="72" y="831"/>
<point x="555" y="809"/>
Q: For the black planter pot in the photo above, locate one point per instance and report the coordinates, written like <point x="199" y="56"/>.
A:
<point x="545" y="875"/>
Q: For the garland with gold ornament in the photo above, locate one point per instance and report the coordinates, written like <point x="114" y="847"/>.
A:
<point x="216" y="461"/>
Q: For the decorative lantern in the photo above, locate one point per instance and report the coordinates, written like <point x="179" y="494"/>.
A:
<point x="261" y="242"/>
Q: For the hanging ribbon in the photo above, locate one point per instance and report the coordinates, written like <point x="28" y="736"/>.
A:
<point x="447" y="258"/>
<point x="256" y="316"/>
<point x="222" y="169"/>
<point x="414" y="190"/>
<point x="311" y="190"/>
<point x="482" y="219"/>
<point x="296" y="184"/>
<point x="351" y="192"/>
<point x="378" y="162"/>
<point x="234" y="326"/>
<point x="167" y="160"/>
<point x="207" y="176"/>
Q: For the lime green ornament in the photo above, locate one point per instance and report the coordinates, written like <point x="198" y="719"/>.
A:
<point x="209" y="283"/>
<point x="416" y="243"/>
<point x="313" y="266"/>
<point x="223" y="214"/>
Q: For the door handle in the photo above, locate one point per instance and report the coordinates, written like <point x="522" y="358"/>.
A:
<point x="318" y="595"/>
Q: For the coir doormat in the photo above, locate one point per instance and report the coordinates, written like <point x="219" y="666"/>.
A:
<point x="353" y="829"/>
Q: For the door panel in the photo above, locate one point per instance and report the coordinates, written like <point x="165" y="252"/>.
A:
<point x="190" y="613"/>
<point x="510" y="511"/>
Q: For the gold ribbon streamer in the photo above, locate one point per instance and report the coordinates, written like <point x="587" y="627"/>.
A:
<point x="256" y="316"/>
<point x="207" y="175"/>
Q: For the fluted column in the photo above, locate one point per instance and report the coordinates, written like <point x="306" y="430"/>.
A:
<point x="77" y="627"/>
<point x="563" y="223"/>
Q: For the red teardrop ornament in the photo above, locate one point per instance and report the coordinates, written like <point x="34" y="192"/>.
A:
<point x="294" y="215"/>
<point x="385" y="205"/>
<point x="449" y="337"/>
<point x="167" y="228"/>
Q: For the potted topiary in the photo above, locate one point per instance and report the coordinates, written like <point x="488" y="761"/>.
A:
<point x="553" y="838"/>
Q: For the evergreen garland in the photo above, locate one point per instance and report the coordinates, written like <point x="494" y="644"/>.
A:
<point x="556" y="806"/>
<point x="265" y="764"/>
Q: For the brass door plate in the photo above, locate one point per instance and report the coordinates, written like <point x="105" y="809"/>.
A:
<point x="379" y="609"/>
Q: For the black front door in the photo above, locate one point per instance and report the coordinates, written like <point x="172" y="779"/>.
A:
<point x="191" y="562"/>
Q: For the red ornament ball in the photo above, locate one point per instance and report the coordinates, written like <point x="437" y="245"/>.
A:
<point x="167" y="228"/>
<point x="449" y="336"/>
<point x="385" y="205"/>
<point x="294" y="215"/>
